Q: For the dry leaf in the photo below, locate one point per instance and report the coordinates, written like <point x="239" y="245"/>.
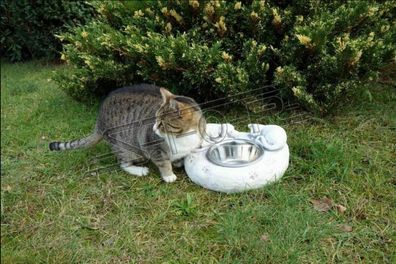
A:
<point x="7" y="188"/>
<point x="264" y="238"/>
<point x="322" y="205"/>
<point x="345" y="228"/>
<point x="340" y="208"/>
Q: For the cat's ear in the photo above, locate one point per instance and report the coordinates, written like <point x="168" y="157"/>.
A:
<point x="166" y="95"/>
<point x="175" y="105"/>
<point x="169" y="98"/>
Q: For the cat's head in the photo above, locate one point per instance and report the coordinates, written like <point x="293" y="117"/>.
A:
<point x="177" y="115"/>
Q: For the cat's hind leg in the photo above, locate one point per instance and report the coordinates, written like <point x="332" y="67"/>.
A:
<point x="129" y="161"/>
<point x="135" y="170"/>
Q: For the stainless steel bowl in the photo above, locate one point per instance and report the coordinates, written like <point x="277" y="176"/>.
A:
<point x="234" y="153"/>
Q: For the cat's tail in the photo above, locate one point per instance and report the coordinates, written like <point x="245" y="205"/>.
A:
<point x="76" y="144"/>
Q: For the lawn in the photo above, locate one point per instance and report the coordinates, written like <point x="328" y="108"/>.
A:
<point x="53" y="211"/>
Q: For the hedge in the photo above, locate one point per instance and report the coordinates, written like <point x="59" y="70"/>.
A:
<point x="28" y="26"/>
<point x="315" y="52"/>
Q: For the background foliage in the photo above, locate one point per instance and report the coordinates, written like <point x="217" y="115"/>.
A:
<point x="28" y="26"/>
<point x="314" y="52"/>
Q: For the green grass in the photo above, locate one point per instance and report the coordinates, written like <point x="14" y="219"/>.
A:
<point x="52" y="211"/>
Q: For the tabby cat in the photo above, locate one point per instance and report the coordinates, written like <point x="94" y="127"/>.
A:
<point x="145" y="121"/>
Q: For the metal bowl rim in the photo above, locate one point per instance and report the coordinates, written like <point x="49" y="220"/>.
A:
<point x="260" y="149"/>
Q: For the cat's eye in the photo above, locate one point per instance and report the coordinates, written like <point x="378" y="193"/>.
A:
<point x="172" y="126"/>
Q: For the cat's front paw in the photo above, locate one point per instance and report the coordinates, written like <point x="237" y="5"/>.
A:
<point x="169" y="178"/>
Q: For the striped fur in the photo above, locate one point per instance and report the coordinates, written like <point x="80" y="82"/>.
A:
<point x="138" y="121"/>
<point x="76" y="144"/>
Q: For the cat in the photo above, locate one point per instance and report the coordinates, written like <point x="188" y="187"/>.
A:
<point x="149" y="122"/>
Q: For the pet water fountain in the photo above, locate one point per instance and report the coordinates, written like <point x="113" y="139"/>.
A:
<point x="232" y="161"/>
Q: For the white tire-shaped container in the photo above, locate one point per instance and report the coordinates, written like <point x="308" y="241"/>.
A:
<point x="270" y="167"/>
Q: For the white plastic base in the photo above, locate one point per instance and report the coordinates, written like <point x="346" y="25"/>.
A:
<point x="269" y="168"/>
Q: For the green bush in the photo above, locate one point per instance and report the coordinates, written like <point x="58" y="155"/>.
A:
<point x="28" y="26"/>
<point x="315" y="52"/>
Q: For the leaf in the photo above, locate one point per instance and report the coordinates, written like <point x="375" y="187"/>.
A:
<point x="340" y="208"/>
<point x="369" y="95"/>
<point x="264" y="238"/>
<point x="189" y="199"/>
<point x="322" y="205"/>
<point x="7" y="188"/>
<point x="345" y="228"/>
